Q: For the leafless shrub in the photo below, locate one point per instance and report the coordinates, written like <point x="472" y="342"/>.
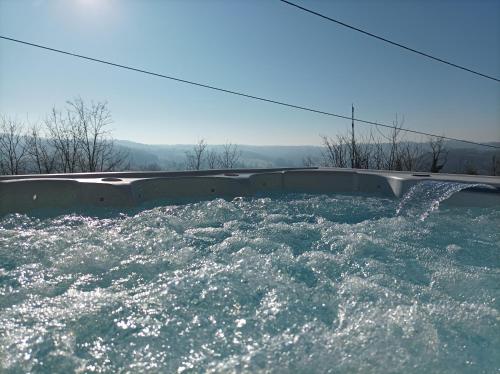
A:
<point x="75" y="139"/>
<point x="389" y="150"/>
<point x="12" y="146"/>
<point x="212" y="159"/>
<point x="439" y="154"/>
<point x="200" y="155"/>
<point x="41" y="153"/>
<point x="411" y="156"/>
<point x="377" y="160"/>
<point x="359" y="149"/>
<point x="334" y="152"/>
<point x="96" y="147"/>
<point x="195" y="157"/>
<point x="230" y="156"/>
<point x="393" y="157"/>
<point x="344" y="152"/>
<point x="64" y="136"/>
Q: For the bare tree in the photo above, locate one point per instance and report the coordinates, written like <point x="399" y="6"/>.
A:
<point x="334" y="152"/>
<point x="90" y="122"/>
<point x="195" y="157"/>
<point x="81" y="139"/>
<point x="110" y="158"/>
<point x="439" y="154"/>
<point x="410" y="155"/>
<point x="64" y="137"/>
<point x="212" y="159"/>
<point x="356" y="151"/>
<point x="12" y="146"/>
<point x="41" y="153"/>
<point x="393" y="159"/>
<point x="377" y="155"/>
<point x="360" y="150"/>
<point x="387" y="151"/>
<point x="230" y="156"/>
<point x="340" y="152"/>
<point x="96" y="147"/>
<point x="399" y="154"/>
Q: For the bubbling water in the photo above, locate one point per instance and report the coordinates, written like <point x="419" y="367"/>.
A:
<point x="296" y="283"/>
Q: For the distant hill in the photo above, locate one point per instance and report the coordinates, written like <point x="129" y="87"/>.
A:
<point x="173" y="157"/>
<point x="462" y="157"/>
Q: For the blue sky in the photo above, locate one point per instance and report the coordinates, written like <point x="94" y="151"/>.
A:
<point x="262" y="47"/>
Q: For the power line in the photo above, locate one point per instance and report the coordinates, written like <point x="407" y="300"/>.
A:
<point x="239" y="93"/>
<point x="390" y="41"/>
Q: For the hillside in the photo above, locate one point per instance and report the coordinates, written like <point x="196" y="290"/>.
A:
<point x="462" y="158"/>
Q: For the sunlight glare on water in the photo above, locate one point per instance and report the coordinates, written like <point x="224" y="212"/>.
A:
<point x="294" y="283"/>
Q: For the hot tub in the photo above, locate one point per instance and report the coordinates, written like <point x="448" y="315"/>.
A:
<point x="68" y="191"/>
<point x="310" y="270"/>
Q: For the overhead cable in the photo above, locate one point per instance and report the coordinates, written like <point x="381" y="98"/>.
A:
<point x="390" y="41"/>
<point x="239" y="93"/>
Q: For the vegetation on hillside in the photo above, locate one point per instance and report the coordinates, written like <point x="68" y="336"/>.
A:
<point x="74" y="139"/>
<point x="78" y="138"/>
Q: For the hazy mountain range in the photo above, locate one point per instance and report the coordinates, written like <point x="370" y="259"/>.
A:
<point x="462" y="158"/>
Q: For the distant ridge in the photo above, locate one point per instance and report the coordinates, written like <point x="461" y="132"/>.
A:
<point x="173" y="156"/>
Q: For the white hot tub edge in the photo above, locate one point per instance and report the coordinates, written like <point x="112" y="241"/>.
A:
<point x="20" y="194"/>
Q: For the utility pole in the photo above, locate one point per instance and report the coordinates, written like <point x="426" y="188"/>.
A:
<point x="353" y="142"/>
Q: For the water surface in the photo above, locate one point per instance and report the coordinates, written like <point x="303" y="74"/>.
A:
<point x="295" y="283"/>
